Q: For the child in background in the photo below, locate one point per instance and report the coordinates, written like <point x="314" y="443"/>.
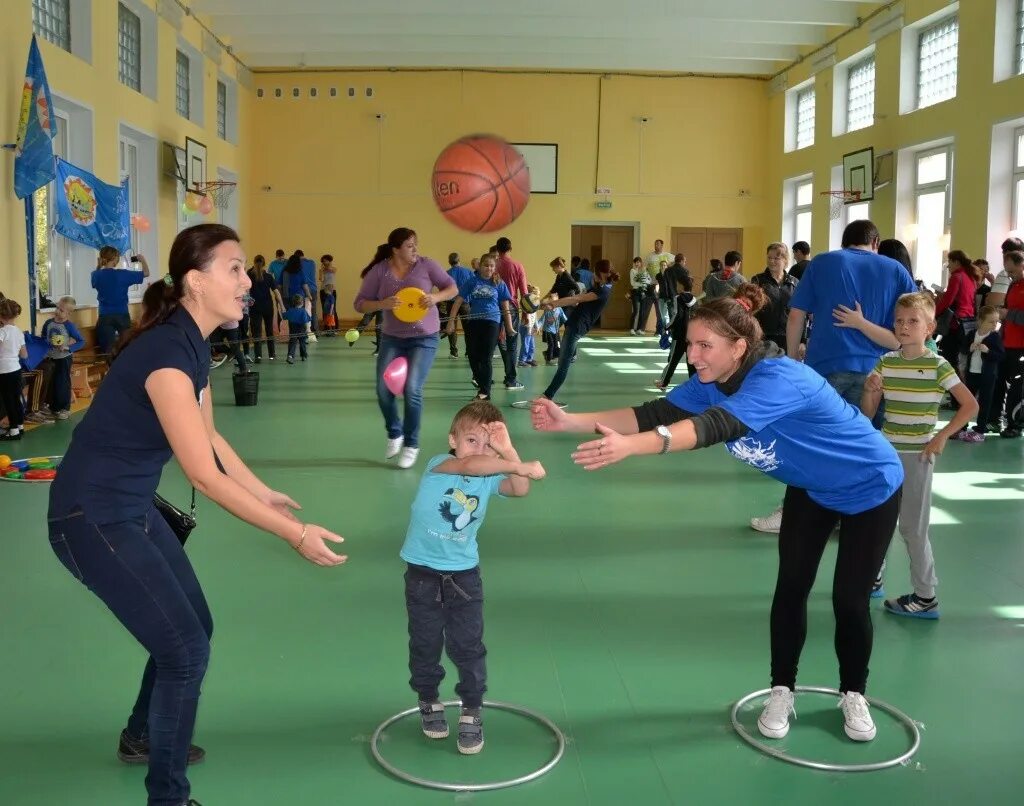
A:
<point x="548" y="322"/>
<point x="298" y="319"/>
<point x="12" y="349"/>
<point x="527" y="323"/>
<point x="913" y="382"/>
<point x="443" y="590"/>
<point x="60" y="333"/>
<point x="329" y="307"/>
<point x="985" y="354"/>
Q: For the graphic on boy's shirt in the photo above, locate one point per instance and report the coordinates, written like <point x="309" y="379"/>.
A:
<point x="468" y="503"/>
<point x="755" y="454"/>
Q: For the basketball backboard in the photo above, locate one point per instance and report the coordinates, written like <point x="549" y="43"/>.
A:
<point x="195" y="164"/>
<point x="174" y="162"/>
<point x="859" y="174"/>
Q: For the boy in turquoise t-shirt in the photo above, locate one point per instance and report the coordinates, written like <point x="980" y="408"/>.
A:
<point x="443" y="590"/>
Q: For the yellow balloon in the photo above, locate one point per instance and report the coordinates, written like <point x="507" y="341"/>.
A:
<point x="352" y="336"/>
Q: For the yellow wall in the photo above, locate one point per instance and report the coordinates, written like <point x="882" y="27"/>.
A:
<point x="968" y="118"/>
<point x="340" y="181"/>
<point x="96" y="86"/>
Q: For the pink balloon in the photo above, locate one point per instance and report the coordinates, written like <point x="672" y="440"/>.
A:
<point x="205" y="205"/>
<point x="395" y="374"/>
<point x="140" y="222"/>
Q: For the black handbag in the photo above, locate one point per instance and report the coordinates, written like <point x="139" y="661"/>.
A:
<point x="181" y="523"/>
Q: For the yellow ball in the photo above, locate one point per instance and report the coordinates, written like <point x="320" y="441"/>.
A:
<point x="352" y="336"/>
<point x="5" y="460"/>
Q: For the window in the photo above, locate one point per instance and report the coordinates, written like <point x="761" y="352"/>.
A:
<point x="128" y="156"/>
<point x="1018" y="182"/>
<point x="181" y="84"/>
<point x="129" y="48"/>
<point x="860" y="98"/>
<point x="1019" y="61"/>
<point x="51" y="19"/>
<point x="222" y="110"/>
<point x="802" y="203"/>
<point x="805" y="118"/>
<point x="937" y="62"/>
<point x="932" y="185"/>
<point x="52" y="255"/>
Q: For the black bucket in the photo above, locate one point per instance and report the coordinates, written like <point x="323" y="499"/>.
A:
<point x="247" y="388"/>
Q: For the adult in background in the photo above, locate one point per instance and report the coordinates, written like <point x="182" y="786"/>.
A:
<point x="782" y="418"/>
<point x="309" y="273"/>
<point x="112" y="284"/>
<point x="653" y="261"/>
<point x="997" y="299"/>
<point x="103" y="527"/>
<point x="801" y="259"/>
<point x="1012" y="367"/>
<point x="266" y="302"/>
<point x="277" y="265"/>
<point x="459" y="274"/>
<point x="778" y="286"/>
<point x="725" y="281"/>
<point x="513" y="275"/>
<point x="398" y="264"/>
<point x="957" y="304"/>
<point x="639" y="281"/>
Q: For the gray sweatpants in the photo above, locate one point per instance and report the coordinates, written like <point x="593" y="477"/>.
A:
<point x="915" y="515"/>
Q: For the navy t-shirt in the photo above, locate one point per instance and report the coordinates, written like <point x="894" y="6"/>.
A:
<point x="583" y="316"/>
<point x="112" y="466"/>
<point x="803" y="434"/>
<point x="484" y="298"/>
<point x="112" y="289"/>
<point x="262" y="291"/>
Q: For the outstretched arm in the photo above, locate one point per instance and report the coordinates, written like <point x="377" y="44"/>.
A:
<point x="854" y="318"/>
<point x="547" y="416"/>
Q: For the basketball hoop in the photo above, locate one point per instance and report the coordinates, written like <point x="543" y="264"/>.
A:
<point x="838" y="200"/>
<point x="219" y="192"/>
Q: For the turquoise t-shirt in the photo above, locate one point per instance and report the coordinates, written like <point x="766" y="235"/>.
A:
<point x="446" y="515"/>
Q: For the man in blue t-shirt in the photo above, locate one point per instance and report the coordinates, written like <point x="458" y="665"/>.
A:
<point x="309" y="275"/>
<point x="277" y="265"/>
<point x="460" y="274"/>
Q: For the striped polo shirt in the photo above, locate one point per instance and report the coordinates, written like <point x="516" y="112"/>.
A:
<point x="913" y="389"/>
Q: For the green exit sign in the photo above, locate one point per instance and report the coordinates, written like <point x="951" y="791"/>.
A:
<point x="603" y="205"/>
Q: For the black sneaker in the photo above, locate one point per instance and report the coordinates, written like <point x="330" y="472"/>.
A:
<point x="136" y="751"/>
<point x="432" y="720"/>
<point x="471" y="732"/>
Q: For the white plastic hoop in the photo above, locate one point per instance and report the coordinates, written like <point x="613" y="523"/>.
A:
<point x="219" y="192"/>
<point x="774" y="752"/>
<point x="459" y="787"/>
<point x="839" y="199"/>
<point x="528" y="404"/>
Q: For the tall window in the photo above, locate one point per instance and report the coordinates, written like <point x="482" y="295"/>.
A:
<point x="129" y="48"/>
<point x="805" y="118"/>
<point x="932" y="185"/>
<point x="937" y="62"/>
<point x="1019" y="60"/>
<point x="222" y="110"/>
<point x="802" y="203"/>
<point x="51" y="19"/>
<point x="128" y="154"/>
<point x="1018" y="181"/>
<point x="181" y="84"/>
<point x="860" y="97"/>
<point x="53" y="265"/>
<point x="858" y="211"/>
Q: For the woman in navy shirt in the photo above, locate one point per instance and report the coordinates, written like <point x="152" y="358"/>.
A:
<point x="586" y="310"/>
<point x="103" y="527"/>
<point x="266" y="299"/>
<point x="782" y="418"/>
<point x="112" y="286"/>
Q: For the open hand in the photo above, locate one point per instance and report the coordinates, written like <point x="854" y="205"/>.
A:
<point x="315" y="549"/>
<point x="547" y="416"/>
<point x="848" y="317"/>
<point x="281" y="503"/>
<point x="610" y="448"/>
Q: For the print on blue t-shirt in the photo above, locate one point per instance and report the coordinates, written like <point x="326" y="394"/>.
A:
<point x="844" y="277"/>
<point x="446" y="516"/>
<point x="484" y="298"/>
<point x="803" y="434"/>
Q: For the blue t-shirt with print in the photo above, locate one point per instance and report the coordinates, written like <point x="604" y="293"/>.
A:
<point x="112" y="289"/>
<point x="845" y="277"/>
<point x="484" y="298"/>
<point x="551" y="320"/>
<point x="446" y="516"/>
<point x="803" y="434"/>
<point x="59" y="335"/>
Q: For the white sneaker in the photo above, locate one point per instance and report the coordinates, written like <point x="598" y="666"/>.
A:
<point x="857" y="719"/>
<point x="774" y="720"/>
<point x="769" y="523"/>
<point x="393" y="447"/>
<point x="408" y="457"/>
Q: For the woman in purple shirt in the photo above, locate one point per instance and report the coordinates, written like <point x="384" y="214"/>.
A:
<point x="398" y="265"/>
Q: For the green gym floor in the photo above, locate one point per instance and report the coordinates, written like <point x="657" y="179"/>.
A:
<point x="629" y="605"/>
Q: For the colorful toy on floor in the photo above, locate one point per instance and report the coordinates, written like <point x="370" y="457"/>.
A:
<point x="35" y="469"/>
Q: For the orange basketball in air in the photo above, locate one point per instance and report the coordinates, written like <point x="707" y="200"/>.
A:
<point x="481" y="183"/>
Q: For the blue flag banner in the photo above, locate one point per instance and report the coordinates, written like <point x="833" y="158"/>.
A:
<point x="90" y="211"/>
<point x="38" y="347"/>
<point x="33" y="155"/>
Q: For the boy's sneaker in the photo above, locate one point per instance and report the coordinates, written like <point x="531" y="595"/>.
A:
<point x="971" y="436"/>
<point x="63" y="414"/>
<point x="877" y="588"/>
<point x="393" y="447"/>
<point x="770" y="524"/>
<point x="432" y="720"/>
<point x="290" y="360"/>
<point x="514" y="386"/>
<point x="136" y="751"/>
<point x="857" y="720"/>
<point x="774" y="720"/>
<point x="408" y="457"/>
<point x="913" y="606"/>
<point x="471" y="732"/>
<point x="11" y="436"/>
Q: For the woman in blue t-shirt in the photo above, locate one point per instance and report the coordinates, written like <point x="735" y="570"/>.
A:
<point x="587" y="308"/>
<point x="784" y="419"/>
<point x="488" y="300"/>
<point x="103" y="526"/>
<point x="112" y="286"/>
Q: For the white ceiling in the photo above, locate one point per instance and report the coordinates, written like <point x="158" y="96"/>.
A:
<point x="747" y="37"/>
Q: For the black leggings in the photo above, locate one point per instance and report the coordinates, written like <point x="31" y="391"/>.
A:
<point x="261" y="325"/>
<point x="10" y="396"/>
<point x="481" y="339"/>
<point x="863" y="541"/>
<point x="674" y="357"/>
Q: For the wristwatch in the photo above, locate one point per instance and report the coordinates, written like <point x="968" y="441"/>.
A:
<point x="666" y="438"/>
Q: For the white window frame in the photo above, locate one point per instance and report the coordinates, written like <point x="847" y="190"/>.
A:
<point x="803" y="94"/>
<point x="792" y="108"/>
<point x="128" y="150"/>
<point x="1017" y="184"/>
<point x="124" y="67"/>
<point x="196" y="67"/>
<point x="230" y="108"/>
<point x="946" y="186"/>
<point x="78" y="41"/>
<point x="57" y="253"/>
<point x="182" y="91"/>
<point x="791" y="208"/>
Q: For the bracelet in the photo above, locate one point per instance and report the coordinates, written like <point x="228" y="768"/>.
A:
<point x="298" y="546"/>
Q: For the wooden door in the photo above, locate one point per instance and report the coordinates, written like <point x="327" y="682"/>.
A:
<point x="725" y="240"/>
<point x="700" y="244"/>
<point x="617" y="246"/>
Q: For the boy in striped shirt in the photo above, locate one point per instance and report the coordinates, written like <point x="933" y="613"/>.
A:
<point x="913" y="380"/>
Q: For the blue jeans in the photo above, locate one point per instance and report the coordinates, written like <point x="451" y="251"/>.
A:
<point x="140" y="572"/>
<point x="419" y="351"/>
<point x="569" y="341"/>
<point x="60" y="384"/>
<point x="109" y="327"/>
<point x="850" y="386"/>
<point x="526" y="340"/>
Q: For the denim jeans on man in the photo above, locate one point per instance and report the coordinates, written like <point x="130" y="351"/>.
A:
<point x="850" y="386"/>
<point x="140" y="571"/>
<point x="419" y="352"/>
<point x="446" y="611"/>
